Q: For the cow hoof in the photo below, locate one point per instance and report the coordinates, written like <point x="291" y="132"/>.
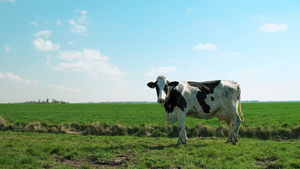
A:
<point x="227" y="142"/>
<point x="233" y="143"/>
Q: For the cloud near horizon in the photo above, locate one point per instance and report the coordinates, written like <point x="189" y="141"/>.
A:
<point x="63" y="88"/>
<point x="16" y="78"/>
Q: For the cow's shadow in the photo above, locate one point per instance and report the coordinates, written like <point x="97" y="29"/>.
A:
<point x="158" y="147"/>
<point x="149" y="146"/>
<point x="161" y="147"/>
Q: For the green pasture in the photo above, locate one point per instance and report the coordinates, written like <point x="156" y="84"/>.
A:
<point x="262" y="120"/>
<point x="138" y="136"/>
<point x="32" y="150"/>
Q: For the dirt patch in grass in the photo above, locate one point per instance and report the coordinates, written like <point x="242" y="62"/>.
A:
<point x="268" y="162"/>
<point x="117" y="162"/>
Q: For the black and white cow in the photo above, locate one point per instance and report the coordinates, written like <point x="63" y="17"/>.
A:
<point x="203" y="100"/>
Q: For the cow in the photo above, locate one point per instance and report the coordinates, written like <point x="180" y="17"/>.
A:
<point x="202" y="100"/>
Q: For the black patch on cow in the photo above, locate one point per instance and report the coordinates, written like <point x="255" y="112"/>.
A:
<point x="212" y="99"/>
<point x="173" y="84"/>
<point x="205" y="89"/>
<point x="175" y="99"/>
<point x="165" y="89"/>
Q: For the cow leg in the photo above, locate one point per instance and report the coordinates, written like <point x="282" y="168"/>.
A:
<point x="185" y="139"/>
<point x="236" y="122"/>
<point x="236" y="128"/>
<point x="230" y="133"/>
<point x="182" y="138"/>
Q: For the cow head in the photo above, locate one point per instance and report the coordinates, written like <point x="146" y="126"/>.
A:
<point x="163" y="88"/>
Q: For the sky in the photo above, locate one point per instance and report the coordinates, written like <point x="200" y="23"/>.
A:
<point x="107" y="51"/>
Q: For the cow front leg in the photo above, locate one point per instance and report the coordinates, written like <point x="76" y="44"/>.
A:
<point x="182" y="138"/>
<point x="181" y="135"/>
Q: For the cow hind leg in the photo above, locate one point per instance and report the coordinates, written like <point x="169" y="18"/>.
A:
<point x="236" y="122"/>
<point x="230" y="133"/>
<point x="234" y="126"/>
<point x="185" y="139"/>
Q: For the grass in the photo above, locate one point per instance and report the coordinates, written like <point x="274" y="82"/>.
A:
<point x="32" y="150"/>
<point x="256" y="114"/>
<point x="112" y="136"/>
<point x="262" y="120"/>
<point x="124" y="114"/>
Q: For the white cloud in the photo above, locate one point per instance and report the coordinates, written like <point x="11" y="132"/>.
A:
<point x="45" y="33"/>
<point x="89" y="61"/>
<point x="78" y="24"/>
<point x="158" y="70"/>
<point x="63" y="88"/>
<point x="207" y="46"/>
<point x="15" y="78"/>
<point x="44" y="45"/>
<point x="7" y="48"/>
<point x="85" y="55"/>
<point x="272" y="28"/>
<point x="83" y="19"/>
<point x="76" y="28"/>
<point x="34" y="23"/>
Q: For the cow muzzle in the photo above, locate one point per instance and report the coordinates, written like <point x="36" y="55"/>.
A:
<point x="162" y="101"/>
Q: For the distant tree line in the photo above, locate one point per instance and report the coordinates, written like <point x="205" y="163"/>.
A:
<point x="46" y="101"/>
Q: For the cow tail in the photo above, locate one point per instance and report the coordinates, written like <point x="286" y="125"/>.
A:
<point x="240" y="105"/>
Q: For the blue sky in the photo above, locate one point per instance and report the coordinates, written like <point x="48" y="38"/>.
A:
<point x="95" y="51"/>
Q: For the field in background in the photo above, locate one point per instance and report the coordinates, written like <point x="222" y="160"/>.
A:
<point x="138" y="136"/>
<point x="256" y="114"/>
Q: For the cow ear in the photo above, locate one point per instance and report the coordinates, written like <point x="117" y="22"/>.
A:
<point x="173" y="84"/>
<point x="151" y="85"/>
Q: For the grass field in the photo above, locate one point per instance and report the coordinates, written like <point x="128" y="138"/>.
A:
<point x="32" y="150"/>
<point x="262" y="120"/>
<point x="256" y="114"/>
<point x="114" y="135"/>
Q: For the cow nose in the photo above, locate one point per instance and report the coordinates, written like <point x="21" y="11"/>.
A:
<point x="161" y="100"/>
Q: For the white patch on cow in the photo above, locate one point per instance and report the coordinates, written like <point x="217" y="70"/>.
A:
<point x="172" y="117"/>
<point x="161" y="83"/>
